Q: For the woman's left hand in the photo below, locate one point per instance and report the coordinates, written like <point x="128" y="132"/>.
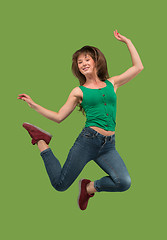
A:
<point x="120" y="37"/>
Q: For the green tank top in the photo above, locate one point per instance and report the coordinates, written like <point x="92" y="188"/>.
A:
<point x="100" y="106"/>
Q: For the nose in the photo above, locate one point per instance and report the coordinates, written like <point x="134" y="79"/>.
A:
<point x="84" y="63"/>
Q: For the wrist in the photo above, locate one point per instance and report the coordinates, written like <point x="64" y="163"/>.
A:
<point x="128" y="41"/>
<point x="34" y="105"/>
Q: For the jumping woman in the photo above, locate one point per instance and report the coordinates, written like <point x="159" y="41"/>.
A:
<point x="96" y="96"/>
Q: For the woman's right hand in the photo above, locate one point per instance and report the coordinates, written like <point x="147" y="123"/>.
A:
<point x="27" y="99"/>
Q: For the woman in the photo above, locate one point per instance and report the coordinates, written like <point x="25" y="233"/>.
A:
<point x="96" y="97"/>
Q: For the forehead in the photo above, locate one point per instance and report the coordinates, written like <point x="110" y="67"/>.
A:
<point x="83" y="55"/>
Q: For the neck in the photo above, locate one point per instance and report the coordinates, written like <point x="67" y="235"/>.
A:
<point x="92" y="79"/>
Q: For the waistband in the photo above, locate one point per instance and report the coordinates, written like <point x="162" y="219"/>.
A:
<point x="88" y="129"/>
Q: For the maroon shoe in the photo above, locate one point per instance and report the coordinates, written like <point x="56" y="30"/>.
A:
<point x="37" y="133"/>
<point x="83" y="195"/>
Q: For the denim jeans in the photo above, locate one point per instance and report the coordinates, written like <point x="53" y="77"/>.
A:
<point x="89" y="145"/>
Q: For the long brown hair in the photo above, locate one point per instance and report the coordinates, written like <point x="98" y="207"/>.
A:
<point x="100" y="63"/>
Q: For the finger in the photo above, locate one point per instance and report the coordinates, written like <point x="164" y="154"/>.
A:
<point x="23" y="95"/>
<point x="19" y="97"/>
<point x="22" y="98"/>
<point x="115" y="34"/>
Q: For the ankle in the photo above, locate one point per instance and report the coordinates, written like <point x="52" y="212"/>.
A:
<point x="90" y="188"/>
<point x="41" y="141"/>
<point x="42" y="145"/>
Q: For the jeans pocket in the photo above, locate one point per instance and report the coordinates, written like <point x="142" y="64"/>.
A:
<point x="88" y="134"/>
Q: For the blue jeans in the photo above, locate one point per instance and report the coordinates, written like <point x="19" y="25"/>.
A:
<point x="89" y="145"/>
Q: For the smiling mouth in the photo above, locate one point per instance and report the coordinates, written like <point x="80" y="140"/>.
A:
<point x="85" y="68"/>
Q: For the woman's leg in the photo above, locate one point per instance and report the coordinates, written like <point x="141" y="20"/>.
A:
<point x="118" y="178"/>
<point x="62" y="177"/>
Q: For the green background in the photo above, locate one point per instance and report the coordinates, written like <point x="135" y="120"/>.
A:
<point x="38" y="39"/>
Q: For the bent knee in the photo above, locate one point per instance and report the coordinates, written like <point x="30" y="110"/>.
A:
<point x="60" y="187"/>
<point x="125" y="184"/>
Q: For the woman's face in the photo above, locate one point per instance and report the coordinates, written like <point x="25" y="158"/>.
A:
<point x="86" y="64"/>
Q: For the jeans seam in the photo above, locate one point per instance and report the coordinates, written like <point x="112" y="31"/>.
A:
<point x="52" y="178"/>
<point x="65" y="173"/>
<point x="101" y="148"/>
<point x="113" y="170"/>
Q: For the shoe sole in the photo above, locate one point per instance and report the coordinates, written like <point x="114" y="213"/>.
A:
<point x="39" y="129"/>
<point x="80" y="191"/>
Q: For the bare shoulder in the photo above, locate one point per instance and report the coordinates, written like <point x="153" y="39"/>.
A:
<point x="77" y="92"/>
<point x="112" y="80"/>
